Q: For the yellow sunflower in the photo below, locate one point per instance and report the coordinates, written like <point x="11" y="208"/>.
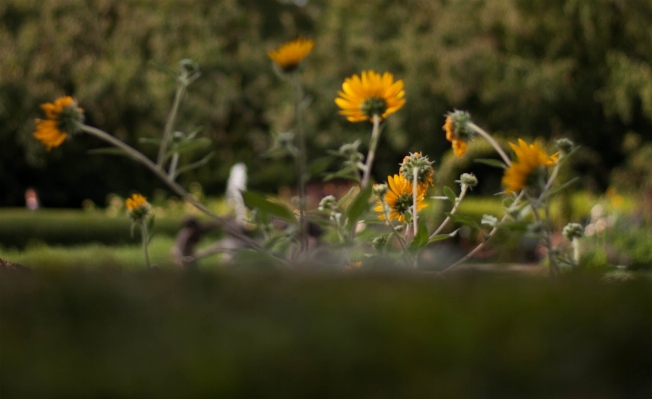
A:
<point x="458" y="141"/>
<point x="137" y="206"/>
<point x="528" y="170"/>
<point x="399" y="198"/>
<point x="371" y="94"/>
<point x="63" y="118"/>
<point x="289" y="55"/>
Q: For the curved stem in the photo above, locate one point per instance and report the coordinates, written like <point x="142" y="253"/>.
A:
<point x="491" y="141"/>
<point x="458" y="201"/>
<point x="375" y="135"/>
<point x="170" y="183"/>
<point x="482" y="244"/>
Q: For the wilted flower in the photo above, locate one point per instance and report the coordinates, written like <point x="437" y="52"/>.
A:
<point x="64" y="117"/>
<point x="458" y="131"/>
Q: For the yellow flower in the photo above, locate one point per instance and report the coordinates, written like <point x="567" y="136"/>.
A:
<point x="289" y="55"/>
<point x="399" y="198"/>
<point x="137" y="206"/>
<point x="528" y="169"/>
<point x="372" y="94"/>
<point x="458" y="141"/>
<point x="63" y="118"/>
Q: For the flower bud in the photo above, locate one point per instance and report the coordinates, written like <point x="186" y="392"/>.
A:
<point x="420" y="163"/>
<point x="327" y="203"/>
<point x="469" y="180"/>
<point x="572" y="231"/>
<point x="380" y="190"/>
<point x="564" y="146"/>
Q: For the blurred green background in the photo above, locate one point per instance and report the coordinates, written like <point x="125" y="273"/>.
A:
<point x="535" y="68"/>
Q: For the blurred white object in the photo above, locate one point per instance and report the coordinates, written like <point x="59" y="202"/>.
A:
<point x="236" y="184"/>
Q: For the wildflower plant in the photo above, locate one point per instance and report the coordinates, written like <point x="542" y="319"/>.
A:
<point x="381" y="220"/>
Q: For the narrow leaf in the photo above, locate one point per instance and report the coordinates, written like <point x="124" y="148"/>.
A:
<point x="108" y="151"/>
<point x="450" y="195"/>
<point x="421" y="239"/>
<point x="357" y="207"/>
<point x="256" y="200"/>
<point x="195" y="165"/>
<point x="560" y="187"/>
<point x="465" y="220"/>
<point x="440" y="237"/>
<point x="492" y="162"/>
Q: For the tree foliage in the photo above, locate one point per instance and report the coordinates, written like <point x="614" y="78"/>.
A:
<point x="528" y="67"/>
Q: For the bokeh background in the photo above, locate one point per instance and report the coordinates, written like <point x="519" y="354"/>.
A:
<point x="535" y="68"/>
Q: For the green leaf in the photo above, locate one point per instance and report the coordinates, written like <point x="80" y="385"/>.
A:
<point x="440" y="237"/>
<point x="319" y="165"/>
<point x="148" y="140"/>
<point x="346" y="173"/>
<point x="190" y="145"/>
<point x="421" y="239"/>
<point x="492" y="162"/>
<point x="163" y="68"/>
<point x="108" y="151"/>
<point x="465" y="220"/>
<point x="560" y="187"/>
<point x="256" y="200"/>
<point x="450" y="195"/>
<point x="195" y="165"/>
<point x="357" y="207"/>
<point x="345" y="197"/>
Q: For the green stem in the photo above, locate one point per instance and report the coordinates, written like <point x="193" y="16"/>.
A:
<point x="491" y="141"/>
<point x="301" y="161"/>
<point x="375" y="135"/>
<point x="169" y="124"/>
<point x="415" y="182"/>
<point x="139" y="157"/>
<point x="458" y="201"/>
<point x="482" y="244"/>
<point x="400" y="239"/>
<point x="554" y="269"/>
<point x="145" y="239"/>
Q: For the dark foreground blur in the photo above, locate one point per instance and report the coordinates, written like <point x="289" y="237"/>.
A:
<point x="165" y="335"/>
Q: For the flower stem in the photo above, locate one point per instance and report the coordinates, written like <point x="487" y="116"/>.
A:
<point x="458" y="201"/>
<point x="552" y="263"/>
<point x="169" y="124"/>
<point x="139" y="157"/>
<point x="145" y="239"/>
<point x="491" y="141"/>
<point x="415" y="182"/>
<point x="375" y="135"/>
<point x="301" y="161"/>
<point x="482" y="244"/>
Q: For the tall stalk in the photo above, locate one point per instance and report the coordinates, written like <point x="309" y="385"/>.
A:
<point x="375" y="135"/>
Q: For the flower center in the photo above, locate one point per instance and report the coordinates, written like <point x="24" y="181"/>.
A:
<point x="374" y="106"/>
<point x="403" y="203"/>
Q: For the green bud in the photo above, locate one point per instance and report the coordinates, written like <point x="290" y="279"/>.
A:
<point x="416" y="161"/>
<point x="572" y="231"/>
<point x="564" y="146"/>
<point x="380" y="190"/>
<point x="469" y="180"/>
<point x="327" y="203"/>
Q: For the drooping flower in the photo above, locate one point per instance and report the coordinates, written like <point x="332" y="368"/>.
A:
<point x="399" y="198"/>
<point x="458" y="131"/>
<point x="370" y="94"/>
<point x="528" y="170"/>
<point x="137" y="207"/>
<point x="288" y="56"/>
<point x="423" y="166"/>
<point x="64" y="117"/>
